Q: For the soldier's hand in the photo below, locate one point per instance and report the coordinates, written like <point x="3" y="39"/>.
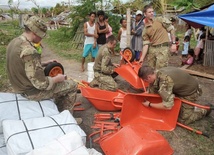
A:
<point x="140" y="61"/>
<point x="59" y="78"/>
<point x="116" y="65"/>
<point x="146" y="103"/>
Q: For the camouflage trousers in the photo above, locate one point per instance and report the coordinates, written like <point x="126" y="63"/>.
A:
<point x="64" y="94"/>
<point x="158" y="57"/>
<point x="103" y="81"/>
<point x="189" y="114"/>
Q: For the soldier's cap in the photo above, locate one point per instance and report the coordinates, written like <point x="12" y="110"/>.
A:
<point x="37" y="26"/>
<point x="139" y="12"/>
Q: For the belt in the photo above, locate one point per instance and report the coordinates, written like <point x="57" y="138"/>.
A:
<point x="160" y="45"/>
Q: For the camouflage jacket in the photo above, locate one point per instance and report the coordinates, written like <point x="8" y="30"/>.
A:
<point x="103" y="62"/>
<point x="24" y="68"/>
<point x="171" y="82"/>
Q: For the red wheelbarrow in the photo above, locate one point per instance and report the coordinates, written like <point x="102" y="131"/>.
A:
<point x="138" y="133"/>
<point x="133" y="112"/>
<point x="101" y="99"/>
<point x="129" y="70"/>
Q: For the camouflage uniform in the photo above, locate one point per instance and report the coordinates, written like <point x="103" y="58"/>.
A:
<point x="103" y="69"/>
<point x="156" y="36"/>
<point x="171" y="82"/>
<point x="26" y="73"/>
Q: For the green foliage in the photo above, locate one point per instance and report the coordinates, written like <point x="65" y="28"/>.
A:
<point x="114" y="21"/>
<point x="8" y="31"/>
<point x="187" y="4"/>
<point x="75" y="24"/>
<point x="35" y="10"/>
<point x="3" y="75"/>
<point x="79" y="13"/>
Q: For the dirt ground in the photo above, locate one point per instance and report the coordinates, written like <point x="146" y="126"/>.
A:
<point x="182" y="141"/>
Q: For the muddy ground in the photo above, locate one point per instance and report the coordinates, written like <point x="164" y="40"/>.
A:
<point x="182" y="141"/>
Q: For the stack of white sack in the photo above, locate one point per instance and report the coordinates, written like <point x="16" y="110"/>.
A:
<point x="23" y="136"/>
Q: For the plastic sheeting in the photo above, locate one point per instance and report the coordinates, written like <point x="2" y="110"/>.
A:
<point x="35" y="133"/>
<point x="16" y="107"/>
<point x="200" y="18"/>
<point x="69" y="144"/>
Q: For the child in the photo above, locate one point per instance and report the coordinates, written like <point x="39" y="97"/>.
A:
<point x="199" y="48"/>
<point x="122" y="36"/>
<point x="189" y="60"/>
<point x="186" y="46"/>
<point x="109" y="33"/>
<point x="177" y="46"/>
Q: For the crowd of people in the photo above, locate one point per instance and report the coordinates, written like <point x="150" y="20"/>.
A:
<point x="153" y="38"/>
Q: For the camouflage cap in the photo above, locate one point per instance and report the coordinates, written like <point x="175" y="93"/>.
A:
<point x="37" y="26"/>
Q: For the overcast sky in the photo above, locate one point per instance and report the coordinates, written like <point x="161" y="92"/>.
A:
<point x="42" y="3"/>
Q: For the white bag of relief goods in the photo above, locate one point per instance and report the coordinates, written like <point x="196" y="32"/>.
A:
<point x="22" y="136"/>
<point x="69" y="144"/>
<point x="3" y="150"/>
<point x="16" y="107"/>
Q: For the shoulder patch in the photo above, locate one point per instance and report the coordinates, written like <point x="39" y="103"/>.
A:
<point x="27" y="50"/>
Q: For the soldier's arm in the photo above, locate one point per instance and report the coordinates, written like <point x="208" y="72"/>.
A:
<point x="146" y="42"/>
<point x="167" y="24"/>
<point x="106" y="65"/>
<point x="34" y="70"/>
<point x="165" y="90"/>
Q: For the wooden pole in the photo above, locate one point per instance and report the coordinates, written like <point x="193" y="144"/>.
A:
<point x="205" y="49"/>
<point x="128" y="31"/>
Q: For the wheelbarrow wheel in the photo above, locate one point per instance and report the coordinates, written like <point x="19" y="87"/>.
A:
<point x="129" y="54"/>
<point x="53" y="69"/>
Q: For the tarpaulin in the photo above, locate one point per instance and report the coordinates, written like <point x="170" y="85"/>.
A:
<point x="200" y="18"/>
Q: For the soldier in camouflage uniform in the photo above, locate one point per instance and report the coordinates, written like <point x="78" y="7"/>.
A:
<point x="169" y="82"/>
<point x="104" y="68"/>
<point x="156" y="40"/>
<point x="26" y="72"/>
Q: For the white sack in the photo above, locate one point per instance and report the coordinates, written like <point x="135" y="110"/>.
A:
<point x="69" y="144"/>
<point x="16" y="107"/>
<point x="22" y="136"/>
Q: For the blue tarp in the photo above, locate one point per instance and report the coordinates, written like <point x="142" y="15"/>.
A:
<point x="200" y="18"/>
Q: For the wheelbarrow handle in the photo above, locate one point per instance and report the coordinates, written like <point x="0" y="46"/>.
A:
<point x="197" y="105"/>
<point x="117" y="105"/>
<point x="193" y="130"/>
<point x="126" y="59"/>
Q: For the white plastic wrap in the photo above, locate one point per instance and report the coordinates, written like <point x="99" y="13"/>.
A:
<point x="22" y="136"/>
<point x="69" y="144"/>
<point x="16" y="107"/>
